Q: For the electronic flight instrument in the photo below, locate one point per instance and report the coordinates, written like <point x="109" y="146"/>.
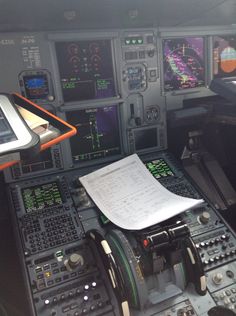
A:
<point x="116" y="87"/>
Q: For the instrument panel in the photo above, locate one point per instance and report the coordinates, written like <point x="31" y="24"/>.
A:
<point x="116" y="88"/>
<point x="60" y="232"/>
<point x="184" y="63"/>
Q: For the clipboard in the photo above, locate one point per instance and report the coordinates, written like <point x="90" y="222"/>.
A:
<point x="66" y="130"/>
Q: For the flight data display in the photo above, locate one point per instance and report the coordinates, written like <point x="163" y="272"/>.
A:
<point x="184" y="63"/>
<point x="86" y="70"/>
<point x="42" y="161"/>
<point x="159" y="168"/>
<point x="98" y="133"/>
<point x="36" y="86"/>
<point x="41" y="196"/>
<point x="224" y="56"/>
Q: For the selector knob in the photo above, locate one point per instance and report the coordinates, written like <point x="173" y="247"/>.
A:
<point x="181" y="312"/>
<point x="204" y="217"/>
<point x="75" y="260"/>
<point x="217" y="278"/>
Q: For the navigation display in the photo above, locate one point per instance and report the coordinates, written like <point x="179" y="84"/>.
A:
<point x="98" y="133"/>
<point x="224" y="56"/>
<point x="86" y="70"/>
<point x="184" y="63"/>
<point x="41" y="196"/>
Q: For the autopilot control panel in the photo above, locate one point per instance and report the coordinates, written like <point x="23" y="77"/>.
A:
<point x="117" y="88"/>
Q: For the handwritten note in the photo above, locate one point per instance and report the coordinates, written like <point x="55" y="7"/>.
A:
<point x="130" y="197"/>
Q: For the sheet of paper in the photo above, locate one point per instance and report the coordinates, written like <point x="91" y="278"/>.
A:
<point x="130" y="197"/>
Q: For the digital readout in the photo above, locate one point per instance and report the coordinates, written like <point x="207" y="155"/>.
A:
<point x="41" y="196"/>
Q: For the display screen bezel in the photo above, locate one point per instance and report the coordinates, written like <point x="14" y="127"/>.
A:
<point x="113" y="68"/>
<point x="99" y="159"/>
<point x="214" y="38"/>
<point x="34" y="187"/>
<point x="204" y="62"/>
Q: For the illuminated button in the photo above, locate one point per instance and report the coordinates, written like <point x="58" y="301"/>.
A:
<point x="65" y="309"/>
<point x="63" y="297"/>
<point x="46" y="302"/>
<point x="222" y="256"/>
<point x="85" y="298"/>
<point x="55" y="300"/>
<point x="74" y="306"/>
<point x="46" y="267"/>
<point x="94" y="284"/>
<point x="48" y="274"/>
<point x="86" y="287"/>
<point x="211" y="260"/>
<point x="38" y="269"/>
<point x="92" y="308"/>
<point x="84" y="311"/>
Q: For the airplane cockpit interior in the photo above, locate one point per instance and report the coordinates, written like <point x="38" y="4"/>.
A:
<point x="150" y="83"/>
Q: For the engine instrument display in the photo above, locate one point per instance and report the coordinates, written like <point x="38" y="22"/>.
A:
<point x="184" y="63"/>
<point x="41" y="196"/>
<point x="224" y="56"/>
<point x="86" y="70"/>
<point x="98" y="133"/>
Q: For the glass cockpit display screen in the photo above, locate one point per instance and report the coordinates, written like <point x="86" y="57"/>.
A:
<point x="184" y="63"/>
<point x="224" y="56"/>
<point x="42" y="161"/>
<point x="36" y="86"/>
<point x="98" y="133"/>
<point x="41" y="196"/>
<point x="6" y="132"/>
<point x="86" y="70"/>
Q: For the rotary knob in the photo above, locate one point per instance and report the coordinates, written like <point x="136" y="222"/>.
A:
<point x="217" y="278"/>
<point x="204" y="217"/>
<point x="181" y="312"/>
<point x="75" y="260"/>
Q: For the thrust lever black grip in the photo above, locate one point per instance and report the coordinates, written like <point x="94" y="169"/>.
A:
<point x="111" y="268"/>
<point x="194" y="266"/>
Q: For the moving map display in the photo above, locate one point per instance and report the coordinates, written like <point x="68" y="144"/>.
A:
<point x="184" y="63"/>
